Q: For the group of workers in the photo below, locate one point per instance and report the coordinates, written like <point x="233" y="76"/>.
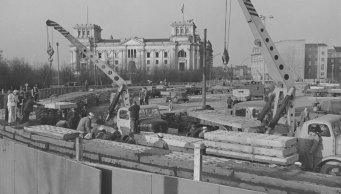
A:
<point x="19" y="103"/>
<point x="230" y="102"/>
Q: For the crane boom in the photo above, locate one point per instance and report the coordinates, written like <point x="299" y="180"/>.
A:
<point x="276" y="67"/>
<point x="123" y="90"/>
<point x="268" y="49"/>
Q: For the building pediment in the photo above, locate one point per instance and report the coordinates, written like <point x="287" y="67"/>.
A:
<point x="134" y="42"/>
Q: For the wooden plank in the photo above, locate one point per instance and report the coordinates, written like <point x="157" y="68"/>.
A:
<point x="59" y="105"/>
<point x="53" y="132"/>
<point x="255" y="139"/>
<point x="266" y="151"/>
<point x="251" y="157"/>
<point x="149" y="139"/>
<point x="10" y="129"/>
<point x="57" y="142"/>
<point x="138" y="166"/>
<point x="29" y="142"/>
<point x="24" y="133"/>
<point x="7" y="134"/>
<point x="62" y="150"/>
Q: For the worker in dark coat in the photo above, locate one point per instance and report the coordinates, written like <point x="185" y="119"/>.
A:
<point x="309" y="148"/>
<point x="28" y="108"/>
<point x="73" y="119"/>
<point x="134" y="117"/>
<point x="84" y="125"/>
<point x="35" y="92"/>
<point x="229" y="102"/>
<point x="5" y="104"/>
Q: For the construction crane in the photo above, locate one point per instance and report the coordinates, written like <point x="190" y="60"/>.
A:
<point x="122" y="90"/>
<point x="279" y="71"/>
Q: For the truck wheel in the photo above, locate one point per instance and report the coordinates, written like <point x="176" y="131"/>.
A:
<point x="331" y="169"/>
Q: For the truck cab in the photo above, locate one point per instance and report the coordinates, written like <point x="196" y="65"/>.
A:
<point x="327" y="158"/>
<point x="150" y="120"/>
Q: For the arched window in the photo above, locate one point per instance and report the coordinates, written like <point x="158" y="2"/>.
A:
<point x="182" y="53"/>
<point x="181" y="31"/>
<point x="177" y="31"/>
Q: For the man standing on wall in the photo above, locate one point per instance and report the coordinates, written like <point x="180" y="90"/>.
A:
<point x="12" y="107"/>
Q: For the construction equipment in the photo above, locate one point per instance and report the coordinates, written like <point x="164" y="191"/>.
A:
<point x="280" y="105"/>
<point x="118" y="80"/>
<point x="122" y="91"/>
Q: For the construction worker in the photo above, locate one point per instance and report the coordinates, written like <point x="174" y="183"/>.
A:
<point x="309" y="148"/>
<point x="73" y="119"/>
<point x="193" y="131"/>
<point x="5" y="104"/>
<point x="146" y="97"/>
<point x="28" y="108"/>
<point x="84" y="126"/>
<point x="134" y="117"/>
<point x="202" y="133"/>
<point x="161" y="143"/>
<point x="12" y="107"/>
<point x="229" y="102"/>
<point x="142" y="96"/>
<point x="35" y="92"/>
<point x="170" y="105"/>
<point x="304" y="116"/>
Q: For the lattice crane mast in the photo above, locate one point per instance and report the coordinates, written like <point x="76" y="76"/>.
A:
<point x="122" y="91"/>
<point x="276" y="67"/>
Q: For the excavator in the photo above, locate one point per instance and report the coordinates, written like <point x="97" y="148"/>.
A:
<point x="150" y="117"/>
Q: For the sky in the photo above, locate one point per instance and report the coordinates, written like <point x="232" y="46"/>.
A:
<point x="23" y="29"/>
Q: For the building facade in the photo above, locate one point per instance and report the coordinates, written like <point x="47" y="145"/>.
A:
<point x="316" y="55"/>
<point x="182" y="51"/>
<point x="292" y="53"/>
<point x="334" y="64"/>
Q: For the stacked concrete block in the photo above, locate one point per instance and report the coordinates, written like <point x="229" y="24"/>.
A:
<point x="258" y="147"/>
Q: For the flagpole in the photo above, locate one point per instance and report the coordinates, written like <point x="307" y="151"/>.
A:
<point x="183" y="12"/>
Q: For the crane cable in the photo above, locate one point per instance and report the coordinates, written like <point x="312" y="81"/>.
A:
<point x="225" y="56"/>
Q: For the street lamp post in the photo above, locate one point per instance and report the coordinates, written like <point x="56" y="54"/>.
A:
<point x="58" y="61"/>
<point x="263" y="17"/>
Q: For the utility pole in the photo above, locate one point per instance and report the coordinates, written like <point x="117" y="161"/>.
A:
<point x="204" y="72"/>
<point x="58" y="61"/>
<point x="332" y="73"/>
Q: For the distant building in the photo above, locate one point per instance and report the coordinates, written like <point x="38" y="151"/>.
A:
<point x="316" y="55"/>
<point x="242" y="72"/>
<point x="182" y="51"/>
<point x="334" y="64"/>
<point x="292" y="53"/>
